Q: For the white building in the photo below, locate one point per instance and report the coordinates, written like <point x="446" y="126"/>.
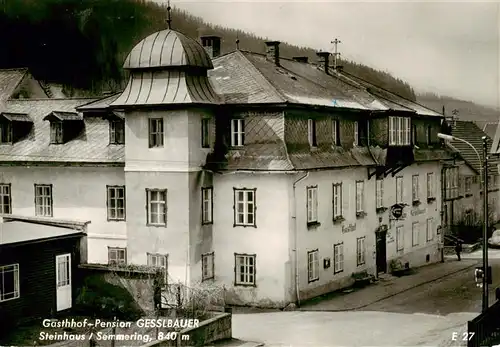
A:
<point x="273" y="177"/>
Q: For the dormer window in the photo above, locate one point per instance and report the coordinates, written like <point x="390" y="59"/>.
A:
<point x="14" y="126"/>
<point x="399" y="131"/>
<point x="5" y="132"/>
<point x="335" y="132"/>
<point x="56" y="132"/>
<point x="311" y="128"/>
<point x="237" y="132"/>
<point x="117" y="132"/>
<point x="64" y="126"/>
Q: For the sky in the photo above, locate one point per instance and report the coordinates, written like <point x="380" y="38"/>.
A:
<point x="448" y="48"/>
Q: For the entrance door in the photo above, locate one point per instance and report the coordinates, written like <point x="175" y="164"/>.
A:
<point x="63" y="282"/>
<point x="381" y="250"/>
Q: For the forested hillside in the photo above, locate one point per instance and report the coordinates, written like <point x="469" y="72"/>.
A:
<point x="81" y="44"/>
<point x="467" y="110"/>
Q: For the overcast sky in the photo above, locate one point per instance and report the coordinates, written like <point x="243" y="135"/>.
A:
<point x="451" y="48"/>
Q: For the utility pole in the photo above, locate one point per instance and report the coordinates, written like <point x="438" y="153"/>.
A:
<point x="336" y="54"/>
<point x="485" y="225"/>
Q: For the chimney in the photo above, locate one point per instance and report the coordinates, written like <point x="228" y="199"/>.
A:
<point x="211" y="45"/>
<point x="301" y="59"/>
<point x="273" y="52"/>
<point x="324" y="61"/>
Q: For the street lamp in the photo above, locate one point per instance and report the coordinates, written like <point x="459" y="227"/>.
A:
<point x="483" y="170"/>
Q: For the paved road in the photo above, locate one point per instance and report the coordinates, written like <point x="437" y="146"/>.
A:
<point x="426" y="315"/>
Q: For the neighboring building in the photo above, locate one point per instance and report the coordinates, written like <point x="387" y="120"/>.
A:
<point x="38" y="264"/>
<point x="462" y="188"/>
<point x="490" y="128"/>
<point x="273" y="177"/>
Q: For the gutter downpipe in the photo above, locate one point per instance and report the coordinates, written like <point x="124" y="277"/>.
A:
<point x="295" y="234"/>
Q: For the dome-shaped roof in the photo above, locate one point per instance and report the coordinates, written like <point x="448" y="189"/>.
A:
<point x="167" y="48"/>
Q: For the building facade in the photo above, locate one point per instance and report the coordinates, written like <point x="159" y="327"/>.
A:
<point x="273" y="177"/>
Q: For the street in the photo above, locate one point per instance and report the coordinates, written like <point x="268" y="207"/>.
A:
<point x="426" y="315"/>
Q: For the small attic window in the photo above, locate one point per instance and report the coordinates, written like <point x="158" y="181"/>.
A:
<point x="64" y="126"/>
<point x="14" y="127"/>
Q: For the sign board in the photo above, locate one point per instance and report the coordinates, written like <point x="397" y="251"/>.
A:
<point x="397" y="211"/>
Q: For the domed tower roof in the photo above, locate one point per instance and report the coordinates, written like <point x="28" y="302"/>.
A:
<point x="167" y="49"/>
<point x="168" y="68"/>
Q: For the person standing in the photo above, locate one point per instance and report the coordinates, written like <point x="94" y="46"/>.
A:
<point x="458" y="248"/>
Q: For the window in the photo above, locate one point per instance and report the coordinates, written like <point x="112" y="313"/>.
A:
<point x="5" y="199"/>
<point x="159" y="261"/>
<point x="56" y="132"/>
<point x="335" y="132"/>
<point x="337" y="200"/>
<point x="430" y="230"/>
<point x="244" y="209"/>
<point x="116" y="202"/>
<point x="360" y="196"/>
<point x="430" y="185"/>
<point x="451" y="184"/>
<point x="379" y="193"/>
<point x="205" y="132"/>
<point x="207" y="195"/>
<point x="312" y="204"/>
<point x="429" y="135"/>
<point x="311" y="128"/>
<point x="207" y="266"/>
<point x="155" y="132"/>
<point x="468" y="185"/>
<point x="117" y="132"/>
<point x="237" y="132"/>
<point x="415" y="234"/>
<point x="400" y="242"/>
<point x="399" y="131"/>
<point x="414" y="188"/>
<point x="244" y="269"/>
<point x="338" y="258"/>
<point x="9" y="282"/>
<point x="117" y="255"/>
<point x="6" y="132"/>
<point x="360" y="251"/>
<point x="43" y="200"/>
<point x="399" y="190"/>
<point x="313" y="265"/>
<point x="414" y="134"/>
<point x="157" y="207"/>
<point x="356" y="133"/>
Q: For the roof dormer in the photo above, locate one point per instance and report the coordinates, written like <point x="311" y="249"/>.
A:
<point x="64" y="126"/>
<point x="116" y="127"/>
<point x="14" y="127"/>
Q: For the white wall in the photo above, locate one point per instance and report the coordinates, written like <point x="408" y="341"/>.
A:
<point x="78" y="193"/>
<point x="269" y="240"/>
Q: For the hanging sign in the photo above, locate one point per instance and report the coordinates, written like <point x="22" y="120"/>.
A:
<point x="397" y="211"/>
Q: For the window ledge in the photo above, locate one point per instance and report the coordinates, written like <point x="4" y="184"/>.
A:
<point x="416" y="203"/>
<point x="245" y="225"/>
<point x="208" y="279"/>
<point x="338" y="219"/>
<point x="337" y="272"/>
<point x="360" y="214"/>
<point x="381" y="209"/>
<point x="312" y="281"/>
<point x="156" y="225"/>
<point x="207" y="223"/>
<point x="313" y="225"/>
<point x="245" y="285"/>
<point x="468" y="195"/>
<point x="430" y="200"/>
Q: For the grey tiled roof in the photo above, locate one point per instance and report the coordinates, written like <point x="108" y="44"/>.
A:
<point x="91" y="147"/>
<point x="471" y="133"/>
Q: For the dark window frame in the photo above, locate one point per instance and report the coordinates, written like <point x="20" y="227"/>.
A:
<point x="237" y="136"/>
<point x="110" y="219"/>
<point x="235" y="221"/>
<point x="334" y="262"/>
<point x="309" y="279"/>
<point x="117" y="249"/>
<point x="205" y="132"/>
<point x="9" y="202"/>
<point x="51" y="197"/>
<point x="114" y="138"/>
<point x="6" y="133"/>
<point x="156" y="139"/>
<point x="312" y="134"/>
<point x="148" y="203"/>
<point x="16" y="270"/>
<point x="211" y="216"/>
<point x="56" y="132"/>
<point x="204" y="257"/>
<point x="341" y="209"/>
<point x="238" y="283"/>
<point x="358" y="261"/>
